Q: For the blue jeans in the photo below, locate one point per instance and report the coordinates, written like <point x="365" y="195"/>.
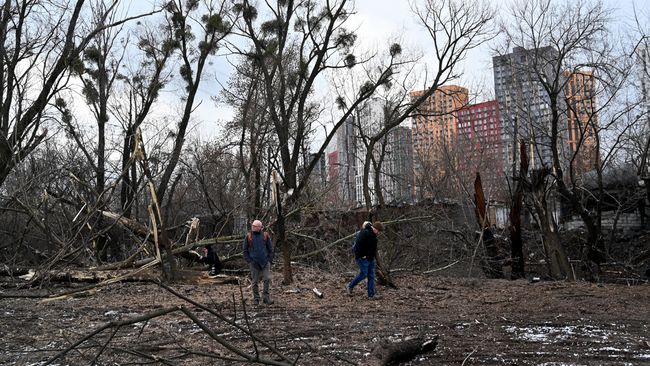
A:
<point x="366" y="269"/>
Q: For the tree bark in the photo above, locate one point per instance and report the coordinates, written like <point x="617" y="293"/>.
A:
<point x="491" y="264"/>
<point x="516" y="243"/>
<point x="281" y="239"/>
<point x="556" y="257"/>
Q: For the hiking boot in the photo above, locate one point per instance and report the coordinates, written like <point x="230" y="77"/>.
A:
<point x="376" y="297"/>
<point x="212" y="273"/>
<point x="348" y="290"/>
<point x="268" y="301"/>
<point x="256" y="302"/>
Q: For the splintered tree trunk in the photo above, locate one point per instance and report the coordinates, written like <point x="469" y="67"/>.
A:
<point x="286" y="249"/>
<point x="516" y="243"/>
<point x="168" y="261"/>
<point x="491" y="265"/>
<point x="558" y="262"/>
<point x="282" y="234"/>
<point x="383" y="275"/>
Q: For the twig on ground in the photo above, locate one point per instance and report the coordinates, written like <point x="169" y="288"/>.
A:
<point x="111" y="325"/>
<point x="301" y="340"/>
<point x="101" y="350"/>
<point x="223" y="318"/>
<point x="468" y="356"/>
<point x="232" y="348"/>
<point x="243" y="304"/>
<point x="441" y="268"/>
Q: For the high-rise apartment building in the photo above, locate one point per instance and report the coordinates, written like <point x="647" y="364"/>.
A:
<point x="370" y="120"/>
<point x="644" y="67"/>
<point x="479" y="147"/>
<point x="344" y="165"/>
<point x="525" y="112"/>
<point x="524" y="106"/>
<point x="581" y="154"/>
<point x="397" y="168"/>
<point x="434" y="137"/>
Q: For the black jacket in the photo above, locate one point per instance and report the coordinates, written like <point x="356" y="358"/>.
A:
<point x="366" y="243"/>
<point x="211" y="258"/>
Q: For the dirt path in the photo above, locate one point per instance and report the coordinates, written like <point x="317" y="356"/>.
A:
<point x="479" y="322"/>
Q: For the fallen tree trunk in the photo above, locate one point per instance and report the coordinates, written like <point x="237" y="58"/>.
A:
<point x="13" y="271"/>
<point x="179" y="251"/>
<point x="135" y="227"/>
<point x="143" y="231"/>
<point x="396" y="353"/>
<point x="95" y="276"/>
<point x="76" y="275"/>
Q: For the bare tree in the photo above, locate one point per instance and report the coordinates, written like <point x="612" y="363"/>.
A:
<point x="641" y="52"/>
<point x="251" y="129"/>
<point x="194" y="55"/>
<point x="314" y="35"/>
<point x="455" y="28"/>
<point x="569" y="61"/>
<point x="40" y="42"/>
<point x="143" y="82"/>
<point x="214" y="184"/>
<point x="103" y="60"/>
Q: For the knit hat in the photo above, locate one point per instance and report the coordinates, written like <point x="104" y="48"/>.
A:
<point x="378" y="225"/>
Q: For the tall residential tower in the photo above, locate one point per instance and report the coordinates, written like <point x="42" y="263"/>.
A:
<point x="434" y="139"/>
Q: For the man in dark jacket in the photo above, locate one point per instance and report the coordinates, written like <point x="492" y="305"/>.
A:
<point x="365" y="254"/>
<point x="258" y="253"/>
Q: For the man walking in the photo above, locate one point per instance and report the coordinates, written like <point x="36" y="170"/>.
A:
<point x="258" y="253"/>
<point x="365" y="256"/>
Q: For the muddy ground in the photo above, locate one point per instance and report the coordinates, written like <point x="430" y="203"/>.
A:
<point x="476" y="322"/>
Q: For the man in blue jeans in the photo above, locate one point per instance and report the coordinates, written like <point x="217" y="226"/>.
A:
<point x="365" y="256"/>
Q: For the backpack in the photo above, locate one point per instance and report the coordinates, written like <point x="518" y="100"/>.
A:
<point x="355" y="242"/>
<point x="250" y="238"/>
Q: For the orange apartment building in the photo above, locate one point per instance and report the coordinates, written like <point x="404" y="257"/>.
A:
<point x="581" y="122"/>
<point x="434" y="139"/>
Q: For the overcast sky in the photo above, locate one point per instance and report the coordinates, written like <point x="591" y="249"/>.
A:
<point x="381" y="19"/>
<point x="375" y="22"/>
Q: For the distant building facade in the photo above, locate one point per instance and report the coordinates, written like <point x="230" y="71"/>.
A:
<point x="643" y="54"/>
<point x="524" y="106"/>
<point x="434" y="139"/>
<point x="345" y="163"/>
<point x="581" y="115"/>
<point x="397" y="168"/>
<point x="479" y="147"/>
